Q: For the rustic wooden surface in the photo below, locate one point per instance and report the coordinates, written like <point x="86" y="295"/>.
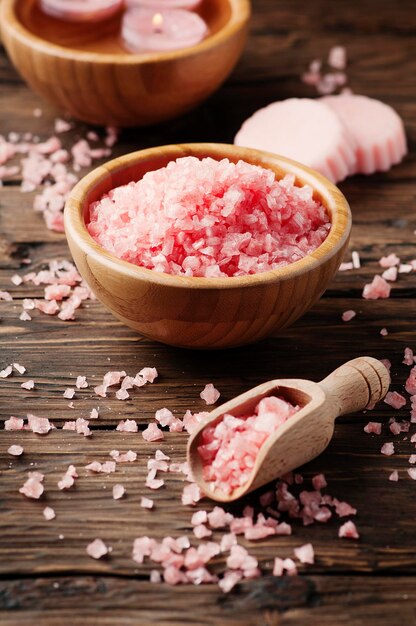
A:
<point x="46" y="580"/>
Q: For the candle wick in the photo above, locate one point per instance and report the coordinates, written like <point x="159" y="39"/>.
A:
<point x="157" y="22"/>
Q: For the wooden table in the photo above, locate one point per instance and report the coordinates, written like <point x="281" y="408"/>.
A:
<point x="49" y="580"/>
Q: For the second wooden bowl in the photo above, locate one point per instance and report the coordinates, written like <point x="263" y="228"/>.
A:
<point x="204" y="312"/>
<point x="84" y="70"/>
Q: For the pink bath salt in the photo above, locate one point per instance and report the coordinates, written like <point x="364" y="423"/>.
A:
<point x="192" y="420"/>
<point x="161" y="456"/>
<point x="113" y="378"/>
<point x="342" y="509"/>
<point x="159" y="466"/>
<point x="81" y="382"/>
<point x="69" y="393"/>
<point x="278" y="567"/>
<point x="409" y="358"/>
<point x="50" y="307"/>
<point x="394" y="476"/>
<point x="94" y="414"/>
<point x="209" y="218"/>
<point x="410" y="384"/>
<point x="6" y="372"/>
<point x="200" y="517"/>
<point x="57" y="292"/>
<point x="384" y="332"/>
<point x="395" y="400"/>
<point x="389" y="261"/>
<point x="147" y="503"/>
<point x="337" y="57"/>
<point x="387" y="449"/>
<point x="148" y="374"/>
<point x="28" y="304"/>
<point x="173" y="575"/>
<point x="70" y="425"/>
<point x="39" y="425"/>
<point x="15" y="450"/>
<point x="390" y="274"/>
<point x="378" y="288"/>
<point x="127" y="426"/>
<point x="16" y="280"/>
<point x="108" y="467"/>
<point x="155" y="576"/>
<point x="201" y="531"/>
<point x="152" y="482"/>
<point x="347" y="316"/>
<point x="319" y="482"/>
<point x="412" y="458"/>
<point x="412" y="473"/>
<point x="97" y="549"/>
<point x="127" y="457"/>
<point x="101" y="391"/>
<point x="62" y="126"/>
<point x="14" y="423"/>
<point x="283" y="529"/>
<point x="19" y="368"/>
<point x="153" y="433"/>
<point x="164" y="417"/>
<point x="258" y="531"/>
<point x="142" y="546"/>
<point x="68" y="479"/>
<point x="210" y="394"/>
<point x="373" y="428"/>
<point x="5" y="295"/>
<point x="229" y="580"/>
<point x="290" y="567"/>
<point x="191" y="494"/>
<point x="228" y="450"/>
<point x="348" y="530"/>
<point x="33" y="487"/>
<point x="305" y="554"/>
<point x="344" y="267"/>
<point x="118" y="491"/>
<point x="176" y="426"/>
<point x="82" y="427"/>
<point x="48" y="513"/>
<point x="374" y="127"/>
<point x="29" y="384"/>
<point x="218" y="518"/>
<point x="122" y="394"/>
<point x="405" y="268"/>
<point x="24" y="316"/>
<point x="294" y="129"/>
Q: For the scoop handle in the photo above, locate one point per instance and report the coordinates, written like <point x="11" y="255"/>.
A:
<point x="356" y="385"/>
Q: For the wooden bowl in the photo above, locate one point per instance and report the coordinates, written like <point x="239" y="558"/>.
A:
<point x="204" y="312"/>
<point x="84" y="69"/>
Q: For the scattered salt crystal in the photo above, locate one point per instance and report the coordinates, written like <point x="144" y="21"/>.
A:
<point x="94" y="414"/>
<point x="373" y="427"/>
<point x="155" y="576"/>
<point x="127" y="457"/>
<point x="127" y="426"/>
<point x="290" y="566"/>
<point x="412" y="458"/>
<point x="148" y="374"/>
<point x="410" y="385"/>
<point x="201" y="531"/>
<point x="343" y="509"/>
<point x="69" y="393"/>
<point x="81" y="382"/>
<point x="387" y="449"/>
<point x="6" y="372"/>
<point x="229" y="580"/>
<point x="191" y="494"/>
<point x="19" y="368"/>
<point x="14" y="423"/>
<point x="24" y="316"/>
<point x="384" y="332"/>
<point x="15" y="450"/>
<point x="278" y="568"/>
<point x="122" y="394"/>
<point x="49" y="513"/>
<point x="68" y="479"/>
<point x="412" y="473"/>
<point x="29" y="384"/>
<point x="96" y="549"/>
<point x="161" y="456"/>
<point x="344" y="267"/>
<point x="39" y="425"/>
<point x="409" y="358"/>
<point x="405" y="268"/>
<point x="200" y="517"/>
<point x="62" y="126"/>
<point x="348" y="530"/>
<point x="5" y="295"/>
<point x="108" y="467"/>
<point x="378" y="288"/>
<point x="152" y="433"/>
<point x="348" y="315"/>
<point x="390" y="274"/>
<point x="356" y="263"/>
<point x="210" y="394"/>
<point x="118" y="491"/>
<point x="305" y="554"/>
<point x="147" y="503"/>
<point x="389" y="261"/>
<point x="33" y="487"/>
<point x="337" y="57"/>
<point x="394" y="476"/>
<point x="395" y="400"/>
<point x="16" y="279"/>
<point x="319" y="482"/>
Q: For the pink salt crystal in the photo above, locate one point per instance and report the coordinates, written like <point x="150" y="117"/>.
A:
<point x="348" y="315"/>
<point x="68" y="479"/>
<point x="81" y="382"/>
<point x="409" y="358"/>
<point x="200" y="517"/>
<point x="218" y="518"/>
<point x="412" y="458"/>
<point x="152" y="482"/>
<point x="147" y="503"/>
<point x="410" y="384"/>
<point x="50" y="307"/>
<point x="384" y="332"/>
<point x="57" y="292"/>
<point x="148" y="374"/>
<point x="278" y="567"/>
<point x="412" y="473"/>
<point x="29" y="384"/>
<point x="344" y="267"/>
<point x="96" y="549"/>
<point x="290" y="566"/>
<point x="319" y="482"/>
<point x="191" y="494"/>
<point x="6" y="372"/>
<point x="173" y="576"/>
<point x="373" y="427"/>
<point x="202" y="531"/>
<point x="343" y="509"/>
<point x="69" y="426"/>
<point x="395" y="428"/>
<point x="24" y="316"/>
<point x="257" y="532"/>
<point x="164" y="417"/>
<point x="49" y="513"/>
<point x="14" y="423"/>
<point x="405" y="268"/>
<point x="394" y="476"/>
<point x="69" y="393"/>
<point x="283" y="529"/>
<point x="19" y="368"/>
<point x="118" y="491"/>
<point x="161" y="456"/>
<point x="122" y="394"/>
<point x="337" y="57"/>
<point x="5" y="295"/>
<point x="389" y="261"/>
<point x="356" y="263"/>
<point x="15" y="450"/>
<point x="94" y="414"/>
<point x="127" y="457"/>
<point x="348" y="530"/>
<point x="127" y="426"/>
<point x="28" y="304"/>
<point x="305" y="554"/>
<point x="33" y="487"/>
<point x="394" y="399"/>
<point x="62" y="126"/>
<point x="229" y="580"/>
<point x="152" y="433"/>
<point x="387" y="449"/>
<point x="81" y="427"/>
<point x="155" y="576"/>
<point x="142" y="547"/>
<point x="39" y="425"/>
<point x="108" y="467"/>
<point x="390" y="274"/>
<point x="378" y="288"/>
<point x="210" y="394"/>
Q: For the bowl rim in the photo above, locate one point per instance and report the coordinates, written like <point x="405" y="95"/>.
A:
<point x="332" y="197"/>
<point x="240" y="15"/>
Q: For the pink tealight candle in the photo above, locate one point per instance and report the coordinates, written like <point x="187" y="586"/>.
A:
<point x="191" y="5"/>
<point x="81" y="10"/>
<point x="144" y="30"/>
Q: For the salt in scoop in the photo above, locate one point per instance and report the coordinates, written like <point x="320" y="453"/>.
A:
<point x="356" y="385"/>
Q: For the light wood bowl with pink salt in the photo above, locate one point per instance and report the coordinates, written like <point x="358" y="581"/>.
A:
<point x="195" y="312"/>
<point x="354" y="386"/>
<point x="83" y="68"/>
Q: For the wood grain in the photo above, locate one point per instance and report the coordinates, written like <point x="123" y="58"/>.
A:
<point x="365" y="583"/>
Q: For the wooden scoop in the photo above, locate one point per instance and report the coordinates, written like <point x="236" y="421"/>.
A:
<point x="354" y="386"/>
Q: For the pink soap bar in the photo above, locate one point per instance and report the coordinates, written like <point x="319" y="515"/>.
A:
<point x="304" y="130"/>
<point x="191" y="5"/>
<point x="144" y="30"/>
<point x="376" y="129"/>
<point x="81" y="10"/>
